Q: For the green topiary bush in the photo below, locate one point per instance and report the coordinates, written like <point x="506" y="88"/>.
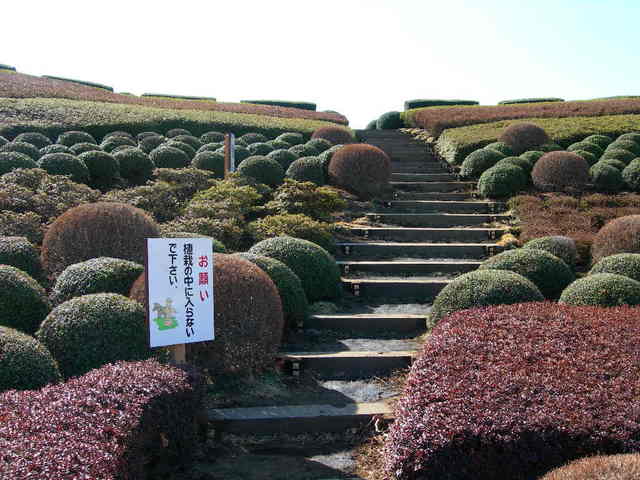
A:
<point x="190" y="140"/>
<point x="547" y="272"/>
<point x="284" y="157"/>
<point x="619" y="154"/>
<point x="479" y="161"/>
<point x="250" y="138"/>
<point x="65" y="164"/>
<point x="501" y="147"/>
<point x="316" y="268"/>
<point x="212" y="137"/>
<point x="372" y="125"/>
<point x="626" y="264"/>
<point x="558" y="171"/>
<point x="617" y="164"/>
<point x="606" y="178"/>
<point x="135" y="165"/>
<point x="55" y="148"/>
<point x="502" y="181"/>
<point x="304" y="150"/>
<point x="306" y="198"/>
<point x="169" y="157"/>
<point x="631" y="175"/>
<point x="389" y="121"/>
<point x="118" y="133"/>
<point x="562" y="247"/>
<point x="279" y="145"/>
<point x="362" y="169"/>
<point x="97" y="275"/>
<point x="621" y="235"/>
<point x="588" y="156"/>
<point x="210" y="147"/>
<point x="550" y="147"/>
<point x="12" y="160"/>
<point x="25" y="363"/>
<point x="93" y="330"/>
<point x="211" y="161"/>
<point x="111" y="143"/>
<point x="421" y="103"/>
<point x="518" y="162"/>
<point x="174" y="132"/>
<point x="294" y="301"/>
<point x="483" y="288"/>
<point x="80" y="148"/>
<point x="148" y="144"/>
<point x="335" y="135"/>
<point x="104" y="169"/>
<point x="600" y="140"/>
<point x="3" y="141"/>
<point x="603" y="290"/>
<point x="293" y="225"/>
<point x="524" y="136"/>
<point x="142" y="135"/>
<point x="22" y="147"/>
<point x="20" y="253"/>
<point x="586" y="146"/>
<point x="263" y="169"/>
<point x="260" y="148"/>
<point x="307" y="169"/>
<point x="532" y="156"/>
<point x="24" y="302"/>
<point x="320" y="144"/>
<point x="632" y="136"/>
<point x="185" y="147"/>
<point x="72" y="137"/>
<point x="36" y="139"/>
<point x="628" y="145"/>
<point x="293" y="138"/>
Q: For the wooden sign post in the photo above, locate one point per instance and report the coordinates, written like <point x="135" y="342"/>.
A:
<point x="229" y="154"/>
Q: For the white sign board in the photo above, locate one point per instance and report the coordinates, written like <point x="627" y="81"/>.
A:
<point x="179" y="290"/>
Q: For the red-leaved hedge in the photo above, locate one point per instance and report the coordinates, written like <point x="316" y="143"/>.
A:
<point x="515" y="391"/>
<point x="123" y="421"/>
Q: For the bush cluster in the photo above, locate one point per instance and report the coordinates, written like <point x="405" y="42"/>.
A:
<point x="603" y="290"/>
<point x="306" y="198"/>
<point x="390" y="121"/>
<point x="307" y="169"/>
<point x="135" y="165"/>
<point x="479" y="161"/>
<point x="524" y="136"/>
<point x="335" y="135"/>
<point x="24" y="303"/>
<point x="626" y="264"/>
<point x="22" y="147"/>
<point x="362" y="169"/>
<point x="557" y="171"/>
<point x="502" y="181"/>
<point x="621" y="235"/>
<point x="263" y="169"/>
<point x="562" y="247"/>
<point x="294" y="225"/>
<point x="20" y="253"/>
<point x="284" y="157"/>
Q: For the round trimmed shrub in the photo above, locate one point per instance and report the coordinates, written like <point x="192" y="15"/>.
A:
<point x="600" y="140"/>
<point x="372" y="125"/>
<point x="335" y="135"/>
<point x="599" y="467"/>
<point x="557" y="171"/>
<point x="606" y="178"/>
<point x="10" y="161"/>
<point x="250" y="138"/>
<point x="36" y="139"/>
<point x="134" y="165"/>
<point x="93" y="330"/>
<point x="320" y="144"/>
<point x="241" y="153"/>
<point x="264" y="169"/>
<point x="25" y="363"/>
<point x="562" y="247"/>
<point x="20" y="253"/>
<point x="97" y="275"/>
<point x="619" y="154"/>
<point x="239" y="141"/>
<point x="633" y="136"/>
<point x="111" y="143"/>
<point x="174" y="132"/>
<point x="617" y="164"/>
<point x="293" y="225"/>
<point x="104" y="169"/>
<point x="141" y="136"/>
<point x="588" y="156"/>
<point x="103" y="229"/>
<point x="603" y="290"/>
<point x="389" y="121"/>
<point x="72" y="137"/>
<point x="628" y="145"/>
<point x="626" y="264"/>
<point x="148" y="144"/>
<point x="283" y="157"/>
<point x="307" y="169"/>
<point x="326" y="157"/>
<point x="118" y="133"/>
<point x="260" y="148"/>
<point x="3" y="141"/>
<point x="190" y="140"/>
<point x="169" y="157"/>
<point x="304" y="150"/>
<point x="501" y="147"/>
<point x="477" y="162"/>
<point x="294" y="301"/>
<point x="210" y="147"/>
<point x="80" y="148"/>
<point x="483" y="288"/>
<point x="65" y="164"/>
<point x="362" y="169"/>
<point x="550" y="147"/>
<point x="22" y="147"/>
<point x="631" y="175"/>
<point x="211" y="161"/>
<point x="518" y="162"/>
<point x="24" y="302"/>
<point x="502" y="181"/>
<point x="55" y="148"/>
<point x="185" y="147"/>
<point x="586" y="146"/>
<point x="212" y="137"/>
<point x="279" y="145"/>
<point x="532" y="156"/>
<point x="292" y="138"/>
<point x="621" y="235"/>
<point x="523" y="136"/>
<point x="547" y="272"/>
<point x="316" y="268"/>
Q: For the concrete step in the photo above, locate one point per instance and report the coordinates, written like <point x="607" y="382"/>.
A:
<point x="426" y="290"/>
<point x="348" y="364"/>
<point x="434" y="186"/>
<point x="381" y="250"/>
<point x="425" y="206"/>
<point x="417" y="167"/>
<point x="440" y="196"/>
<point x="407" y="267"/>
<point x="441" y="220"/>
<point x="368" y="322"/>
<point x="423" y="177"/>
<point x="405" y="234"/>
<point x="296" y="419"/>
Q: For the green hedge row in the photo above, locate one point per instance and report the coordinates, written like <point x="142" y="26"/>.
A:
<point x="530" y="100"/>
<point x="420" y="103"/>
<point x="284" y="103"/>
<point x="80" y="82"/>
<point x="7" y="67"/>
<point x="178" y="97"/>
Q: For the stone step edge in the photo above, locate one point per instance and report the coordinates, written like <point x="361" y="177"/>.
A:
<point x="347" y="354"/>
<point x="417" y="244"/>
<point x="402" y="262"/>
<point x="390" y="280"/>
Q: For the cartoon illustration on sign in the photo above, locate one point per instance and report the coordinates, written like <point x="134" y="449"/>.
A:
<point x="165" y="315"/>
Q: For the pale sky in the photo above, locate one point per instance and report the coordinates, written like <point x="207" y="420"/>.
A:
<point x="361" y="58"/>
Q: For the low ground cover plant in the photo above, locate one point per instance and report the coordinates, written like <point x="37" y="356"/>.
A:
<point x="599" y="467"/>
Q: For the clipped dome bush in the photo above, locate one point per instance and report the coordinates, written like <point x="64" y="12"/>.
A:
<point x="628" y="145"/>
<point x="362" y="169"/>
<point x="550" y="147"/>
<point x="23" y="302"/>
<point x="283" y="157"/>
<point x="104" y="169"/>
<point x="603" y="290"/>
<point x="631" y="175"/>
<point x="293" y="225"/>
<point x="307" y="169"/>
<point x="606" y="178"/>
<point x="562" y="247"/>
<point x="304" y="150"/>
<point x="617" y="164"/>
<point x="320" y="144"/>
<point x="118" y="133"/>
<point x="97" y="275"/>
<point x="250" y="138"/>
<point x="294" y="301"/>
<point x="241" y="153"/>
<point x="169" y="157"/>
<point x="93" y="330"/>
<point x="79" y="148"/>
<point x="185" y="147"/>
<point x="111" y="143"/>
<point x="523" y="136"/>
<point x="372" y="125"/>
<point x="389" y="121"/>
<point x="477" y="162"/>
<point x="148" y="144"/>
<point x="279" y="145"/>
<point x="65" y="164"/>
<point x="142" y="135"/>
<point x="588" y="156"/>
<point x="20" y="253"/>
<point x="600" y="140"/>
<point x="619" y="154"/>
<point x="10" y="161"/>
<point x="292" y="138"/>
<point x="632" y="136"/>
<point x="264" y="169"/>
<point x="102" y="229"/>
<point x="557" y="171"/>
<point x="22" y="147"/>
<point x="174" y="132"/>
<point x="335" y="135"/>
<point x="55" y="148"/>
<point x="586" y="146"/>
<point x="483" y="288"/>
<point x="626" y="264"/>
<point x="211" y="161"/>
<point x="502" y="181"/>
<point x="547" y="272"/>
<point x="210" y="147"/>
<point x="25" y="363"/>
<point x="190" y="140"/>
<point x="260" y="148"/>
<point x="3" y="141"/>
<point x="501" y="147"/>
<point x="316" y="268"/>
<point x="212" y="137"/>
<point x="518" y="162"/>
<point x="36" y="139"/>
<point x="135" y="165"/>
<point x="73" y="136"/>
<point x="532" y="156"/>
<point x="621" y="235"/>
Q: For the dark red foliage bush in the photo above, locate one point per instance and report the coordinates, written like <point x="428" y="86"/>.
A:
<point x="514" y="391"/>
<point x="522" y="137"/>
<point x="559" y="171"/>
<point x="122" y="421"/>
<point x="360" y="168"/>
<point x="621" y="235"/>
<point x="336" y="135"/>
